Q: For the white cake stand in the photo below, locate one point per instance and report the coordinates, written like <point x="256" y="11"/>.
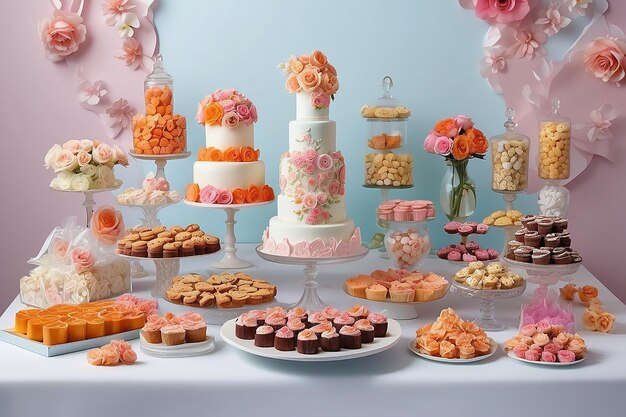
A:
<point x="89" y="202"/>
<point x="230" y="259"/>
<point x="160" y="160"/>
<point x="310" y="300"/>
<point x="150" y="212"/>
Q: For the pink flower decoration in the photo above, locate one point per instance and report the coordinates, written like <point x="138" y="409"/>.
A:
<point x="566" y="356"/>
<point x="502" y="11"/>
<point x="230" y="119"/>
<point x="553" y="22"/>
<point x="297" y="160"/>
<point x="463" y="122"/>
<point x="324" y="162"/>
<point x="316" y="212"/>
<point x="282" y="182"/>
<point x="443" y="145"/>
<point x="309" y="201"/>
<point x="528" y="43"/>
<point x="316" y="245"/>
<point x="283" y="248"/>
<point x="310" y="169"/>
<point x="342" y="249"/>
<point x="62" y="34"/>
<point x="342" y="174"/>
<point x="322" y="198"/>
<point x="126" y="24"/>
<point x="604" y="58"/>
<point x="120" y="114"/>
<point x="131" y="53"/>
<point x="82" y="259"/>
<point x="429" y="142"/>
<point x="224" y="197"/>
<point x="581" y="6"/>
<point x="320" y="100"/>
<point x="601" y="122"/>
<point x="91" y="93"/>
<point x="548" y="356"/>
<point x="301" y="249"/>
<point x="312" y="182"/>
<point x="208" y="195"/>
<point x="310" y="219"/>
<point x="310" y="154"/>
<point x="113" y="10"/>
<point x="334" y="188"/>
<point x="532" y="355"/>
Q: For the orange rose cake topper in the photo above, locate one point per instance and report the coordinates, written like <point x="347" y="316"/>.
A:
<point x="226" y="108"/>
<point x="312" y="74"/>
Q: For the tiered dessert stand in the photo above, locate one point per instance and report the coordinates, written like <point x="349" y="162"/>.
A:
<point x="230" y="259"/>
<point x="89" y="202"/>
<point x="310" y="299"/>
<point x="150" y="211"/>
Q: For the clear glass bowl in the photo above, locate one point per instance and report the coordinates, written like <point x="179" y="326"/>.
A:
<point x="407" y="243"/>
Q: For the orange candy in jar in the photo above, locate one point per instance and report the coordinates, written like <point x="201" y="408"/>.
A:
<point x="159" y="131"/>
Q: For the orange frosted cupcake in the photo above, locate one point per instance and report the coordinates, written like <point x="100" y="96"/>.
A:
<point x="151" y="331"/>
<point x="173" y="334"/>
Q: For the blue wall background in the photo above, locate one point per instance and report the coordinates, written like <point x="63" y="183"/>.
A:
<point x="430" y="48"/>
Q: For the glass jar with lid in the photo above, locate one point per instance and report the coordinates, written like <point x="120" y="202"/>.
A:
<point x="509" y="158"/>
<point x="388" y="119"/>
<point x="554" y="145"/>
<point x="158" y="90"/>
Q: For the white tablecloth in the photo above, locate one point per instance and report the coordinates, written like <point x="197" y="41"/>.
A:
<point x="395" y="382"/>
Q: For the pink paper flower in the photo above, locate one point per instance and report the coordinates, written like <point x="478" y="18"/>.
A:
<point x="553" y="22"/>
<point x="604" y="58"/>
<point x="208" y="194"/>
<point x="493" y="63"/>
<point x="283" y="248"/>
<point x="324" y="162"/>
<point x="120" y="114"/>
<point x="62" y="34"/>
<point x="580" y="6"/>
<point x="131" y="53"/>
<point x="113" y="10"/>
<point x="528" y="42"/>
<point x="126" y="24"/>
<point x="601" y="122"/>
<point x="224" y="197"/>
<point x="502" y="11"/>
<point x="91" y="93"/>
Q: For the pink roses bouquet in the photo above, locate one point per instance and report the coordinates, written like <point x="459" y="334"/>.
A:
<point x="82" y="165"/>
<point x="312" y="74"/>
<point x="226" y="108"/>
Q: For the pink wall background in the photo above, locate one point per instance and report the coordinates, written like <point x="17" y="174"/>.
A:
<point x="39" y="108"/>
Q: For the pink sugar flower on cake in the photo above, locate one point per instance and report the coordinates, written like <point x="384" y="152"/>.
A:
<point x="208" y="195"/>
<point x="301" y="249"/>
<point x="224" y="197"/>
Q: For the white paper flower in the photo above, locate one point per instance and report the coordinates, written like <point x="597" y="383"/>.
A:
<point x="91" y="93"/>
<point x="553" y="22"/>
<point x="601" y="119"/>
<point x="126" y="24"/>
<point x="580" y="6"/>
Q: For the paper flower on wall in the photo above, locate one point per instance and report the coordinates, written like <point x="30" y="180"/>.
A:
<point x="601" y="120"/>
<point x="126" y="24"/>
<point x="605" y="59"/>
<point x="502" y="11"/>
<point x="91" y="93"/>
<point x="553" y="22"/>
<point x="580" y="6"/>
<point x="62" y="34"/>
<point x="118" y="116"/>
<point x="113" y="10"/>
<point x="132" y="54"/>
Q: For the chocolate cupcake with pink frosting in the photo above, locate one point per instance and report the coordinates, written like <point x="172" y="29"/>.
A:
<point x="358" y="311"/>
<point x="350" y="337"/>
<point x="307" y="343"/>
<point x="315" y="318"/>
<point x="331" y="312"/>
<point x="379" y="321"/>
<point x="264" y="336"/>
<point x="259" y="315"/>
<point x="330" y="341"/>
<point x="245" y="327"/>
<point x="298" y="312"/>
<point x="366" y="329"/>
<point x="284" y="340"/>
<point x="343" y="320"/>
<point x="295" y="325"/>
<point x="320" y="328"/>
<point x="275" y="320"/>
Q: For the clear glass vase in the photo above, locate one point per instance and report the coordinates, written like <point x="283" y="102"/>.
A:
<point x="458" y="191"/>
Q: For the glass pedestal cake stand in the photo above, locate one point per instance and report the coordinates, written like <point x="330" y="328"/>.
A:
<point x="377" y="240"/>
<point x="310" y="300"/>
<point x="89" y="202"/>
<point x="487" y="320"/>
<point x="230" y="259"/>
<point x="544" y="275"/>
<point x="160" y="160"/>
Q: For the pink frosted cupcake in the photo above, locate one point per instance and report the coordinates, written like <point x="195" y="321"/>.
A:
<point x="151" y="331"/>
<point x="316" y="318"/>
<point x="330" y="341"/>
<point x="264" y="336"/>
<point x="350" y="337"/>
<point x="298" y="313"/>
<point x="367" y="330"/>
<point x="343" y="320"/>
<point x="358" y="311"/>
<point x="245" y="327"/>
<point x="318" y="329"/>
<point x="295" y="325"/>
<point x="379" y="321"/>
<point x="275" y="320"/>
<point x="284" y="340"/>
<point x="173" y="334"/>
<point x="259" y="315"/>
<point x="330" y="313"/>
<point x="307" y="342"/>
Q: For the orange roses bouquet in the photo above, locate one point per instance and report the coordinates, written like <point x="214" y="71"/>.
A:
<point x="458" y="141"/>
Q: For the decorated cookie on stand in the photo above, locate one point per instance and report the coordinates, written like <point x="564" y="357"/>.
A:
<point x="466" y="251"/>
<point x="228" y="174"/>
<point x="386" y="166"/>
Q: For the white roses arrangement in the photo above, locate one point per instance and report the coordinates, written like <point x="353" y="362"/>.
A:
<point x="82" y="165"/>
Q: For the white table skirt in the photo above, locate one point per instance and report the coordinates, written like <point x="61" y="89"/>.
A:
<point x="395" y="382"/>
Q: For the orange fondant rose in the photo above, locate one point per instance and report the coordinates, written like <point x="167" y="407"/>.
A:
<point x="267" y="193"/>
<point x="213" y="114"/>
<point x="589" y="320"/>
<point x="586" y="293"/>
<point x="568" y="292"/>
<point x="239" y="196"/>
<point x="253" y="195"/>
<point x="460" y="148"/>
<point x="214" y="154"/>
<point x="292" y="83"/>
<point x="604" y="322"/>
<point x="478" y="142"/>
<point x="193" y="193"/>
<point x="295" y="66"/>
<point x="318" y="59"/>
<point x="107" y="224"/>
<point x="232" y="155"/>
<point x="249" y="155"/>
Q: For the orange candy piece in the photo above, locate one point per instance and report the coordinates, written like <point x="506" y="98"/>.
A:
<point x="55" y="333"/>
<point x="22" y="317"/>
<point x="159" y="131"/>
